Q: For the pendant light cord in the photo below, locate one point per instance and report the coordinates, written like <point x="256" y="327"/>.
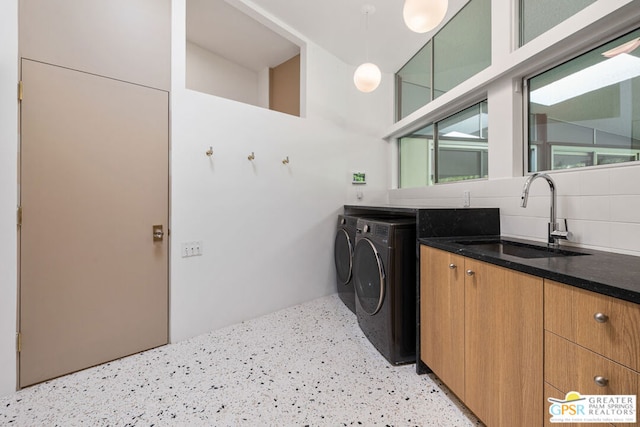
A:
<point x="367" y="10"/>
<point x="366" y="36"/>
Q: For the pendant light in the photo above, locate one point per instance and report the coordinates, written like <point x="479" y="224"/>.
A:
<point x="424" y="15"/>
<point x="367" y="76"/>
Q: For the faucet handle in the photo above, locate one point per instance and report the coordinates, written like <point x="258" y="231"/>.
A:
<point x="566" y="235"/>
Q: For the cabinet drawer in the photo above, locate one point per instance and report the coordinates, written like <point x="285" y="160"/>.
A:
<point x="570" y="367"/>
<point x="603" y="324"/>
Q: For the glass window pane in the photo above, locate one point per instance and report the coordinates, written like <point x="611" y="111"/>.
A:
<point x="416" y="158"/>
<point x="413" y="83"/>
<point x="538" y="16"/>
<point x="463" y="146"/>
<point x="586" y="112"/>
<point x="463" y="47"/>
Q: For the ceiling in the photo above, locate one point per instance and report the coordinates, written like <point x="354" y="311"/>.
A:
<point x="338" y="26"/>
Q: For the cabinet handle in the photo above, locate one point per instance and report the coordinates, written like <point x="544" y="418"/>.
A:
<point x="452" y="266"/>
<point x="470" y="272"/>
<point x="601" y="381"/>
<point x="601" y="317"/>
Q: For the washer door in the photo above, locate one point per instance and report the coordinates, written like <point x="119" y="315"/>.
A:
<point x="369" y="276"/>
<point x="343" y="256"/>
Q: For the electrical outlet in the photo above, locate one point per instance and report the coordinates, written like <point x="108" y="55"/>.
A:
<point x="466" y="198"/>
<point x="190" y="249"/>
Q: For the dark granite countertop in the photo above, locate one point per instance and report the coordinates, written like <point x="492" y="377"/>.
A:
<point x="607" y="273"/>
<point x="392" y="209"/>
<point x="439" y="221"/>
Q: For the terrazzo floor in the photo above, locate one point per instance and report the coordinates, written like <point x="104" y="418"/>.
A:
<point x="305" y="365"/>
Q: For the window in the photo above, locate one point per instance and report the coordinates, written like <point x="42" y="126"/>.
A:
<point x="586" y="112"/>
<point x="463" y="47"/>
<point x="538" y="16"/>
<point x="459" y="50"/>
<point x="413" y="83"/>
<point x="453" y="149"/>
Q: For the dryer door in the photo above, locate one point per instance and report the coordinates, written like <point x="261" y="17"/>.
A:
<point x="343" y="256"/>
<point x="369" y="276"/>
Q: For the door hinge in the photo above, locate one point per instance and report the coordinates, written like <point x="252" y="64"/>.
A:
<point x="20" y="90"/>
<point x="19" y="342"/>
<point x="19" y="216"/>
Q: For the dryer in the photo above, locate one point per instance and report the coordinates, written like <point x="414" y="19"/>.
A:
<point x="343" y="247"/>
<point x="384" y="274"/>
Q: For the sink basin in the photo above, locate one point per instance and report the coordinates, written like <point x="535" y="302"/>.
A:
<point x="517" y="249"/>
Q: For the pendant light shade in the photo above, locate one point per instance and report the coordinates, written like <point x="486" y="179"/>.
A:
<point x="367" y="77"/>
<point x="424" y="15"/>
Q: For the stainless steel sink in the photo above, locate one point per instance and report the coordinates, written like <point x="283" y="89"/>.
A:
<point x="516" y="249"/>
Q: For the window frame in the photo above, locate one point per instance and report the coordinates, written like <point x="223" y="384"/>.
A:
<point x="526" y="125"/>
<point x="433" y="159"/>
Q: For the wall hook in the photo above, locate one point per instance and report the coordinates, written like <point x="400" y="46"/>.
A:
<point x="285" y="161"/>
<point x="209" y="152"/>
<point x="251" y="156"/>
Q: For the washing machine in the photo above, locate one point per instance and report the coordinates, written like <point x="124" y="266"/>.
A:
<point x="344" y="245"/>
<point x="384" y="275"/>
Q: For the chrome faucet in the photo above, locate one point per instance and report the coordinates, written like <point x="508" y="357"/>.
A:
<point x="554" y="233"/>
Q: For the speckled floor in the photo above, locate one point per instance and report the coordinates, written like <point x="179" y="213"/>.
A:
<point x="305" y="365"/>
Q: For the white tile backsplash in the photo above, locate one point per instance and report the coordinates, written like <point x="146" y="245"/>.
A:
<point x="595" y="183"/>
<point x="591" y="233"/>
<point x="524" y="227"/>
<point x="596" y="208"/>
<point x="625" y="236"/>
<point x="567" y="183"/>
<point x="602" y="205"/>
<point x="625" y="180"/>
<point x="625" y="209"/>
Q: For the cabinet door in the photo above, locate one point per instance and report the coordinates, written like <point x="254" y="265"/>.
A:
<point x="601" y="323"/>
<point x="442" y="316"/>
<point x="503" y="345"/>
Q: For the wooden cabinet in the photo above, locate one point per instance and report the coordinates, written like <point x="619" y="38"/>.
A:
<point x="592" y="343"/>
<point x="442" y="310"/>
<point x="501" y="315"/>
<point x="605" y="325"/>
<point x="503" y="345"/>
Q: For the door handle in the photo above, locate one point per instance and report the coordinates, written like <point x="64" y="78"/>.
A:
<point x="158" y="234"/>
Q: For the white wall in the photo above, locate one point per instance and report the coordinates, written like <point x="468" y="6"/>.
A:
<point x="210" y="73"/>
<point x="8" y="192"/>
<point x="601" y="204"/>
<point x="121" y="39"/>
<point x="267" y="228"/>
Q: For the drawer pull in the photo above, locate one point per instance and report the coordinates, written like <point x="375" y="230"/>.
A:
<point x="601" y="381"/>
<point x="470" y="272"/>
<point x="601" y="317"/>
<point x="452" y="266"/>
